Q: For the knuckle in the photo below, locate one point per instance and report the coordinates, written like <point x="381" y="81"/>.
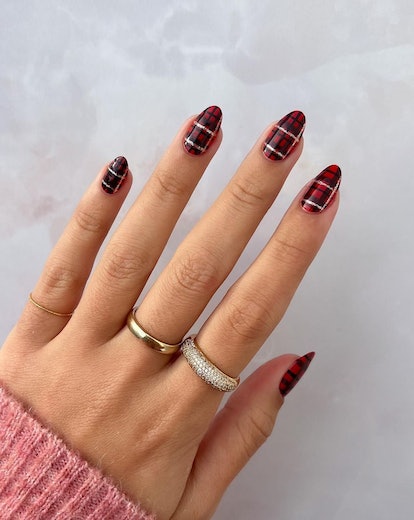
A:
<point x="88" y="221"/>
<point x="253" y="429"/>
<point x="197" y="273"/>
<point x="249" y="319"/>
<point x="168" y="185"/>
<point x="287" y="250"/>
<point x="60" y="275"/>
<point x="246" y="194"/>
<point x="126" y="265"/>
<point x="257" y="431"/>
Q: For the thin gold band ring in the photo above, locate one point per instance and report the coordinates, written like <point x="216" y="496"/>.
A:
<point x="39" y="306"/>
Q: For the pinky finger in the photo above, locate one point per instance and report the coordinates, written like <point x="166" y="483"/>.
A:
<point x="67" y="269"/>
<point x="237" y="432"/>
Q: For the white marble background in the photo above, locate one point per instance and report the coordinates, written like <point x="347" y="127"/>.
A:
<point x="84" y="81"/>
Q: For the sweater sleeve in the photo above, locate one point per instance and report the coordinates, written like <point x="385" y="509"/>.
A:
<point x="42" y="479"/>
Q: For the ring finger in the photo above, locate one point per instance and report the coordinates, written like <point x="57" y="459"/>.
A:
<point x="257" y="301"/>
<point x="209" y="252"/>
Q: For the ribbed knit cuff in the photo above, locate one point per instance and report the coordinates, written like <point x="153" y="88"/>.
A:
<point x="42" y="479"/>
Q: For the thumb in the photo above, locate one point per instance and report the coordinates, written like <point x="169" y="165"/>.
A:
<point x="238" y="431"/>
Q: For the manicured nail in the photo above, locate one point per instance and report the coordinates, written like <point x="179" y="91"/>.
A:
<point x="295" y="372"/>
<point x="115" y="175"/>
<point x="203" y="131"/>
<point x="323" y="189"/>
<point x="284" y="136"/>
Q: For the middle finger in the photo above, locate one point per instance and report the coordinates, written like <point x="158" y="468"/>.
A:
<point x="140" y="239"/>
<point x="209" y="252"/>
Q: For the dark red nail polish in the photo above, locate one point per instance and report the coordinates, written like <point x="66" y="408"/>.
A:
<point x="203" y="131"/>
<point x="322" y="192"/>
<point x="295" y="372"/>
<point x="284" y="136"/>
<point x="115" y="175"/>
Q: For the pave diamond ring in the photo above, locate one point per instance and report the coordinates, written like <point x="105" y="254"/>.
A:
<point x="205" y="369"/>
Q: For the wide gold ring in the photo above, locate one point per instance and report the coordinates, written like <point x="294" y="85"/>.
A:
<point x="150" y="341"/>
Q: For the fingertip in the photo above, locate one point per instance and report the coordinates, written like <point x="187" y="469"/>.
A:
<point x="312" y="212"/>
<point x="322" y="190"/>
<point x="278" y="376"/>
<point x="202" y="131"/>
<point x="283" y="137"/>
<point x="115" y="175"/>
<point x="294" y="373"/>
<point x="263" y="384"/>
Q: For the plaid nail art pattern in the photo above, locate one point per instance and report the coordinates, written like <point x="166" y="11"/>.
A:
<point x="284" y="136"/>
<point x="292" y="377"/>
<point x="203" y="131"/>
<point x="323" y="190"/>
<point x="115" y="175"/>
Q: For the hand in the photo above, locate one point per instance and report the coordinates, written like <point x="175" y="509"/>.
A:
<point x="145" y="418"/>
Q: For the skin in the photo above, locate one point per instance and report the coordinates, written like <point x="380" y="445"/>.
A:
<point x="143" y="418"/>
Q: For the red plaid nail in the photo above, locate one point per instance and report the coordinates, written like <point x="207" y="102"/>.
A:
<point x="323" y="190"/>
<point x="203" y="131"/>
<point x="115" y="175"/>
<point x="295" y="372"/>
<point x="284" y="136"/>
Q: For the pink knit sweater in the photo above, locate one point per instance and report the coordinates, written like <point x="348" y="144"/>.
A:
<point x="42" y="479"/>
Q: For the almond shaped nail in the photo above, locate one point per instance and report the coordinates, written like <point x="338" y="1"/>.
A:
<point x="284" y="136"/>
<point x="292" y="376"/>
<point x="115" y="175"/>
<point x="323" y="190"/>
<point x="203" y="131"/>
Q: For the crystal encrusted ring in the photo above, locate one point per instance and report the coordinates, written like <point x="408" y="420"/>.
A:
<point x="205" y="369"/>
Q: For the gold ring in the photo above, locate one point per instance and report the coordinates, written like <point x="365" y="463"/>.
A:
<point x="61" y="314"/>
<point x="205" y="369"/>
<point x="154" y="343"/>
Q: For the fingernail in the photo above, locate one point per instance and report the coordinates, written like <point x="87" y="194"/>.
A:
<point x="284" y="136"/>
<point x="203" y="131"/>
<point x="292" y="377"/>
<point x="115" y="175"/>
<point x="323" y="189"/>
